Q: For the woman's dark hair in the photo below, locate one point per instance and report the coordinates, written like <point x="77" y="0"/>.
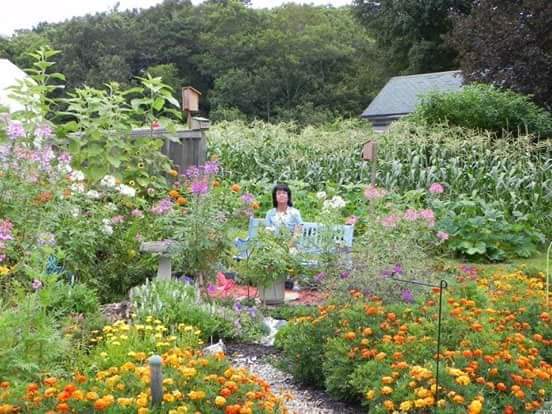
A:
<point x="281" y="187"/>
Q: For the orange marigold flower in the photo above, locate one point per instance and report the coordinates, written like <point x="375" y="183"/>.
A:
<point x="174" y="194"/>
<point x="235" y="188"/>
<point x="475" y="407"/>
<point x="4" y="384"/>
<point x="63" y="407"/>
<point x="50" y="381"/>
<point x="182" y="201"/>
<point x="350" y="335"/>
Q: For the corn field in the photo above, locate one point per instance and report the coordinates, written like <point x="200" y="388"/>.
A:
<point x="517" y="173"/>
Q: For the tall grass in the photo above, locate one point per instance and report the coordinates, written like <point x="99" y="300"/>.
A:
<point x="515" y="172"/>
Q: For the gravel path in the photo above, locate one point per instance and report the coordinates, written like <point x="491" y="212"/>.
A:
<point x="304" y="400"/>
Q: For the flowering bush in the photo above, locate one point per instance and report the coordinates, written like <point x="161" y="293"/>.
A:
<point x="117" y="378"/>
<point x="494" y="349"/>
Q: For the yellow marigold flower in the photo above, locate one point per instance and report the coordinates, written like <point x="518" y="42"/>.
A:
<point x="50" y="392"/>
<point x="422" y="393"/>
<point x="389" y="405"/>
<point x="4" y="270"/>
<point x="475" y="407"/>
<point x="406" y="406"/>
<point x="125" y="402"/>
<point x="380" y="356"/>
<point x="458" y="399"/>
<point x="370" y="395"/>
<point x="143" y="410"/>
<point x="220" y="401"/>
<point x="188" y="372"/>
<point x="387" y="380"/>
<point x="168" y="398"/>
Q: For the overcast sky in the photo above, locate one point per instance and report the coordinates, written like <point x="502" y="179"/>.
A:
<point x="24" y="14"/>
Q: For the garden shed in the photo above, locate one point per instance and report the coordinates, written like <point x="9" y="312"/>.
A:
<point x="9" y="75"/>
<point x="401" y="94"/>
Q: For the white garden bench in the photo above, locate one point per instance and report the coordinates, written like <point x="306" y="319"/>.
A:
<point x="310" y="242"/>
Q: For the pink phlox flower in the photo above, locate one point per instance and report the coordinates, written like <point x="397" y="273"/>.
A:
<point x="373" y="193"/>
<point x="436" y="188"/>
<point x="137" y="213"/>
<point x="390" y="221"/>
<point x="410" y="215"/>
<point x="37" y="284"/>
<point x="15" y="130"/>
<point x="429" y="216"/>
<point x="441" y="235"/>
<point x="117" y="219"/>
<point x="6" y="227"/>
<point x="43" y="131"/>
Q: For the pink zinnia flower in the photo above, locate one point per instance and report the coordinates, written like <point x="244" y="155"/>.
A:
<point x="436" y="188"/>
<point x="15" y="130"/>
<point x="441" y="235"/>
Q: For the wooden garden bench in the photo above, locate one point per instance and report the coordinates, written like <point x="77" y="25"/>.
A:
<point x="309" y="241"/>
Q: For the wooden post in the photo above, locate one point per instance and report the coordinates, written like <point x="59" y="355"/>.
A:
<point x="374" y="165"/>
<point x="156" y="382"/>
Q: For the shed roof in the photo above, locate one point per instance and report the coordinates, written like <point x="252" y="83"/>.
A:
<point x="9" y="75"/>
<point x="402" y="93"/>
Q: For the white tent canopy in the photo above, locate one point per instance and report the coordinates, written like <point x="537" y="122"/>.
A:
<point x="9" y="75"/>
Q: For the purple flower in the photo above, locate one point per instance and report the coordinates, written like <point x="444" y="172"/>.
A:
<point x="37" y="284"/>
<point x="237" y="307"/>
<point x="436" y="188"/>
<point x="344" y="275"/>
<point x="64" y="158"/>
<point x="15" y="130"/>
<point x="6" y="227"/>
<point x="395" y="270"/>
<point x="2" y="257"/>
<point x="211" y="167"/>
<point x="247" y="198"/>
<point x="407" y="296"/>
<point x="162" y="207"/>
<point x="318" y="278"/>
<point x="43" y="131"/>
<point x="252" y="311"/>
<point x="200" y="187"/>
<point x="192" y="172"/>
<point x="211" y="289"/>
<point x="187" y="280"/>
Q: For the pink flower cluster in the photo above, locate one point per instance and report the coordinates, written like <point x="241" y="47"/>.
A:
<point x="411" y="215"/>
<point x="6" y="234"/>
<point x="373" y="193"/>
<point x="436" y="188"/>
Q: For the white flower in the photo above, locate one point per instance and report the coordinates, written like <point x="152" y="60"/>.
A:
<point x="112" y="206"/>
<point x="75" y="212"/>
<point x="77" y="187"/>
<point x="93" y="194"/>
<point x="126" y="190"/>
<point x="76" y="175"/>
<point x="336" y="202"/>
<point x="108" y="181"/>
<point x="66" y="169"/>
<point x="321" y="195"/>
<point x="106" y="227"/>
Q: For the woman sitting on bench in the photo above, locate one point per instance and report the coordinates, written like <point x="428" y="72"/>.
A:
<point x="283" y="213"/>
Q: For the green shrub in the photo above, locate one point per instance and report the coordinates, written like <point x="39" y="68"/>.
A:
<point x="31" y="342"/>
<point x="481" y="106"/>
<point x="61" y="299"/>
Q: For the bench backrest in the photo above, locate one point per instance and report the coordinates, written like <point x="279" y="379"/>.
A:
<point x="312" y="233"/>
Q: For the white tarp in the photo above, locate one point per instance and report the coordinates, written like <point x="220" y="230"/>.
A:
<point x="9" y="75"/>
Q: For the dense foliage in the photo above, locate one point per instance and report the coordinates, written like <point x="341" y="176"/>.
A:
<point x="486" y="107"/>
<point x="292" y="62"/>
<point x="508" y="43"/>
<point x="495" y="347"/>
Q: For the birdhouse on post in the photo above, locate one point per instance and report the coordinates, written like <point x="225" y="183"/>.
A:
<point x="190" y="102"/>
<point x="370" y="153"/>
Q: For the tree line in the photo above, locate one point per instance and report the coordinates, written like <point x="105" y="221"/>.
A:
<point x="300" y="62"/>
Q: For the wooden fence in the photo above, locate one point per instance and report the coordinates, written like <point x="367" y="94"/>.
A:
<point x="184" y="148"/>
